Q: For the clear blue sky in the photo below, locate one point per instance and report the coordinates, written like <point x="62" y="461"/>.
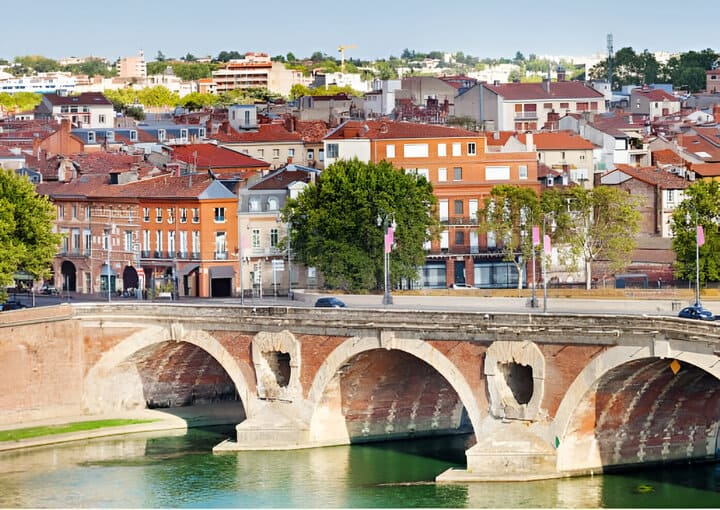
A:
<point x="482" y="28"/>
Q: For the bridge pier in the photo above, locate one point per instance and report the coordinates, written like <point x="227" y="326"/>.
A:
<point x="507" y="451"/>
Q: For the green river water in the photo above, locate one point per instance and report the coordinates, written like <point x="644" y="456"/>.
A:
<point x="179" y="470"/>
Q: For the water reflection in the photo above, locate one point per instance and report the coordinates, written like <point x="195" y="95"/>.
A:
<point x="179" y="470"/>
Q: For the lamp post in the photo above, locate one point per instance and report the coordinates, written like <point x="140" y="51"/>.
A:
<point x="241" y="269"/>
<point x="535" y="242"/>
<point x="546" y="249"/>
<point x="385" y="223"/>
<point x="107" y="263"/>
<point x="697" y="257"/>
<point x="290" y="294"/>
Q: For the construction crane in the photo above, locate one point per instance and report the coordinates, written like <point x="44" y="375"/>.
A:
<point x="342" y="49"/>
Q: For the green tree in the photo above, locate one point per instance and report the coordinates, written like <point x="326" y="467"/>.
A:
<point x="158" y="96"/>
<point x="508" y="215"/>
<point x="37" y="63"/>
<point x="348" y="248"/>
<point x="198" y="101"/>
<point x="27" y="241"/>
<point x="385" y="70"/>
<point x="702" y="207"/>
<point x="599" y="223"/>
<point x="20" y="101"/>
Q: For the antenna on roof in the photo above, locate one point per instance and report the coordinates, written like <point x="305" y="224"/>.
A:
<point x="610" y="58"/>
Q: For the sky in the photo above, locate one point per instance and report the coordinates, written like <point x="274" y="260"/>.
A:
<point x="378" y="29"/>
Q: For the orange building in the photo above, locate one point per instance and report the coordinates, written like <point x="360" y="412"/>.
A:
<point x="462" y="173"/>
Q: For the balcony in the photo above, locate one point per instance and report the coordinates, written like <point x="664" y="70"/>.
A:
<point x="460" y="221"/>
<point x="526" y="116"/>
<point x="195" y="255"/>
<point x="222" y="255"/>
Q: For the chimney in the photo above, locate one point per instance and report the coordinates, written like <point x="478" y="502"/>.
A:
<point x="716" y="112"/>
<point x="530" y="142"/>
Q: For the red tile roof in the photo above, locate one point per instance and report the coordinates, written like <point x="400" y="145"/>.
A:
<point x="559" y="140"/>
<point x="498" y="138"/>
<point x="265" y="133"/>
<point x="385" y="129"/>
<point x="656" y="95"/>
<point x="213" y="156"/>
<point x="281" y="179"/>
<point x="107" y="162"/>
<point x="311" y="131"/>
<point x="707" y="169"/>
<point x="538" y="91"/>
<point x="654" y="176"/>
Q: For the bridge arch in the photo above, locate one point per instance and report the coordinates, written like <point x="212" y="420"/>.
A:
<point x="106" y="376"/>
<point x="648" y="388"/>
<point x="324" y="424"/>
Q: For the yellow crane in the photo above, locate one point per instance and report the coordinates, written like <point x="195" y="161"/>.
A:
<point x="342" y="49"/>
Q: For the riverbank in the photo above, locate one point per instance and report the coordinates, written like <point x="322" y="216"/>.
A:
<point x="153" y="420"/>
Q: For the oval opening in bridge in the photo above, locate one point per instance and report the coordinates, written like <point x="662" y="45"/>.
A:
<point x="279" y="363"/>
<point x="519" y="378"/>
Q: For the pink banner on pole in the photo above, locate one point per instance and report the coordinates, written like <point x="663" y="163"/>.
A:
<point x="547" y="249"/>
<point x="536" y="236"/>
<point x="700" y="235"/>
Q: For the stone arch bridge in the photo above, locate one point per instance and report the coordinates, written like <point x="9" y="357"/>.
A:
<point x="545" y="395"/>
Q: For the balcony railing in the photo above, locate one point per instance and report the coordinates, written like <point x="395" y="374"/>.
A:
<point x="460" y="220"/>
<point x="526" y="115"/>
<point x="222" y="255"/>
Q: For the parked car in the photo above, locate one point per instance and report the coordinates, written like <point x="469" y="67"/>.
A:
<point x="461" y="286"/>
<point x="329" y="302"/>
<point x="697" y="312"/>
<point x="13" y="305"/>
<point x="49" y="290"/>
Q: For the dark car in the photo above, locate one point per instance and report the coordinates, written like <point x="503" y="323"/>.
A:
<point x="461" y="286"/>
<point x="13" y="305"/>
<point x="49" y="290"/>
<point x="697" y="312"/>
<point x="329" y="302"/>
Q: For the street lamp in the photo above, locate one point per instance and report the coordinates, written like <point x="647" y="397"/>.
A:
<point x="697" y="256"/>
<point x="388" y="228"/>
<point x="547" y="251"/>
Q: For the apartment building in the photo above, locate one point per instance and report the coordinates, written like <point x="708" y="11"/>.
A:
<point x="256" y="70"/>
<point x="86" y="110"/>
<point x="132" y="67"/>
<point x="462" y="173"/>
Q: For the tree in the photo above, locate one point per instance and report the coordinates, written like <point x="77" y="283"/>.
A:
<point x="508" y="216"/>
<point x="702" y="207"/>
<point x="198" y="101"/>
<point x="385" y="70"/>
<point x="27" y="241"/>
<point x="335" y="223"/>
<point x="598" y="223"/>
<point x="160" y="56"/>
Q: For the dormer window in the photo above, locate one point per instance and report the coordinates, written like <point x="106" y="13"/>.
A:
<point x="550" y="181"/>
<point x="110" y="136"/>
<point x="133" y="136"/>
<point x="272" y="204"/>
<point x="91" y="136"/>
<point x="161" y="135"/>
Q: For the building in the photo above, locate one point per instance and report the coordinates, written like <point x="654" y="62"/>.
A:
<point x="256" y="70"/>
<point x="654" y="103"/>
<point x="526" y="106"/>
<point x="268" y="269"/>
<point x="565" y="151"/>
<point x="462" y="173"/>
<point x="272" y="143"/>
<point x="132" y="67"/>
<point x="86" y="110"/>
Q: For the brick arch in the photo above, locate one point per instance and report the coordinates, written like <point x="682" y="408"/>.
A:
<point x="106" y="378"/>
<point x="639" y="362"/>
<point x="329" y="428"/>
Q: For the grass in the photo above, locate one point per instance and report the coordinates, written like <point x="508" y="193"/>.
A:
<point x="49" y="430"/>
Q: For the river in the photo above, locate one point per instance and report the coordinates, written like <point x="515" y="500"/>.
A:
<point x="178" y="469"/>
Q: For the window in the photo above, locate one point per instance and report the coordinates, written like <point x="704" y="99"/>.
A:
<point x="459" y="238"/>
<point x="670" y="196"/>
<point x="61" y="212"/>
<point x="110" y="136"/>
<point x="457" y="149"/>
<point x="442" y="174"/>
<point x="196" y="215"/>
<point x="457" y="173"/>
<point x="594" y="106"/>
<point x="146" y="214"/>
<point x="91" y="136"/>
<point x="171" y="215"/>
<point x="171" y="243"/>
<point x="310" y="154"/>
<point x="547" y="106"/>
<point x="443" y="210"/>
<point x="106" y="239"/>
<point x="161" y="135"/>
<point x="88" y="212"/>
<point x="272" y="204"/>
<point x="458" y="206"/>
<point x="523" y="172"/>
<point x="219" y="215"/>
<point x="76" y="240"/>
<point x="423" y="172"/>
<point x="276" y="153"/>
<point x="442" y="150"/>
<point x="415" y="150"/>
<point x="550" y="181"/>
<point x="274" y="237"/>
<point x="196" y="242"/>
<point x="321" y="154"/>
<point x="183" y="215"/>
<point x="583" y="107"/>
<point x="146" y="240"/>
<point x="158" y="215"/>
<point x="183" y="133"/>
<point x="133" y="136"/>
<point x="220" y="245"/>
<point x="87" y="242"/>
<point x="261" y="153"/>
<point x="333" y="150"/>
<point x="472" y="149"/>
<point x="497" y="173"/>
<point x="73" y="211"/>
<point x="128" y="240"/>
<point x="101" y="118"/>
<point x="158" y="242"/>
<point x="183" y="243"/>
<point x="254" y="205"/>
<point x="390" y="151"/>
<point x="201" y="132"/>
<point x="564" y="106"/>
<point x="255" y="238"/>
<point x="291" y="153"/>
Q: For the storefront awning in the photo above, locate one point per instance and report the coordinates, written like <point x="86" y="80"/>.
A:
<point x="187" y="269"/>
<point x="222" y="272"/>
<point x="23" y="275"/>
